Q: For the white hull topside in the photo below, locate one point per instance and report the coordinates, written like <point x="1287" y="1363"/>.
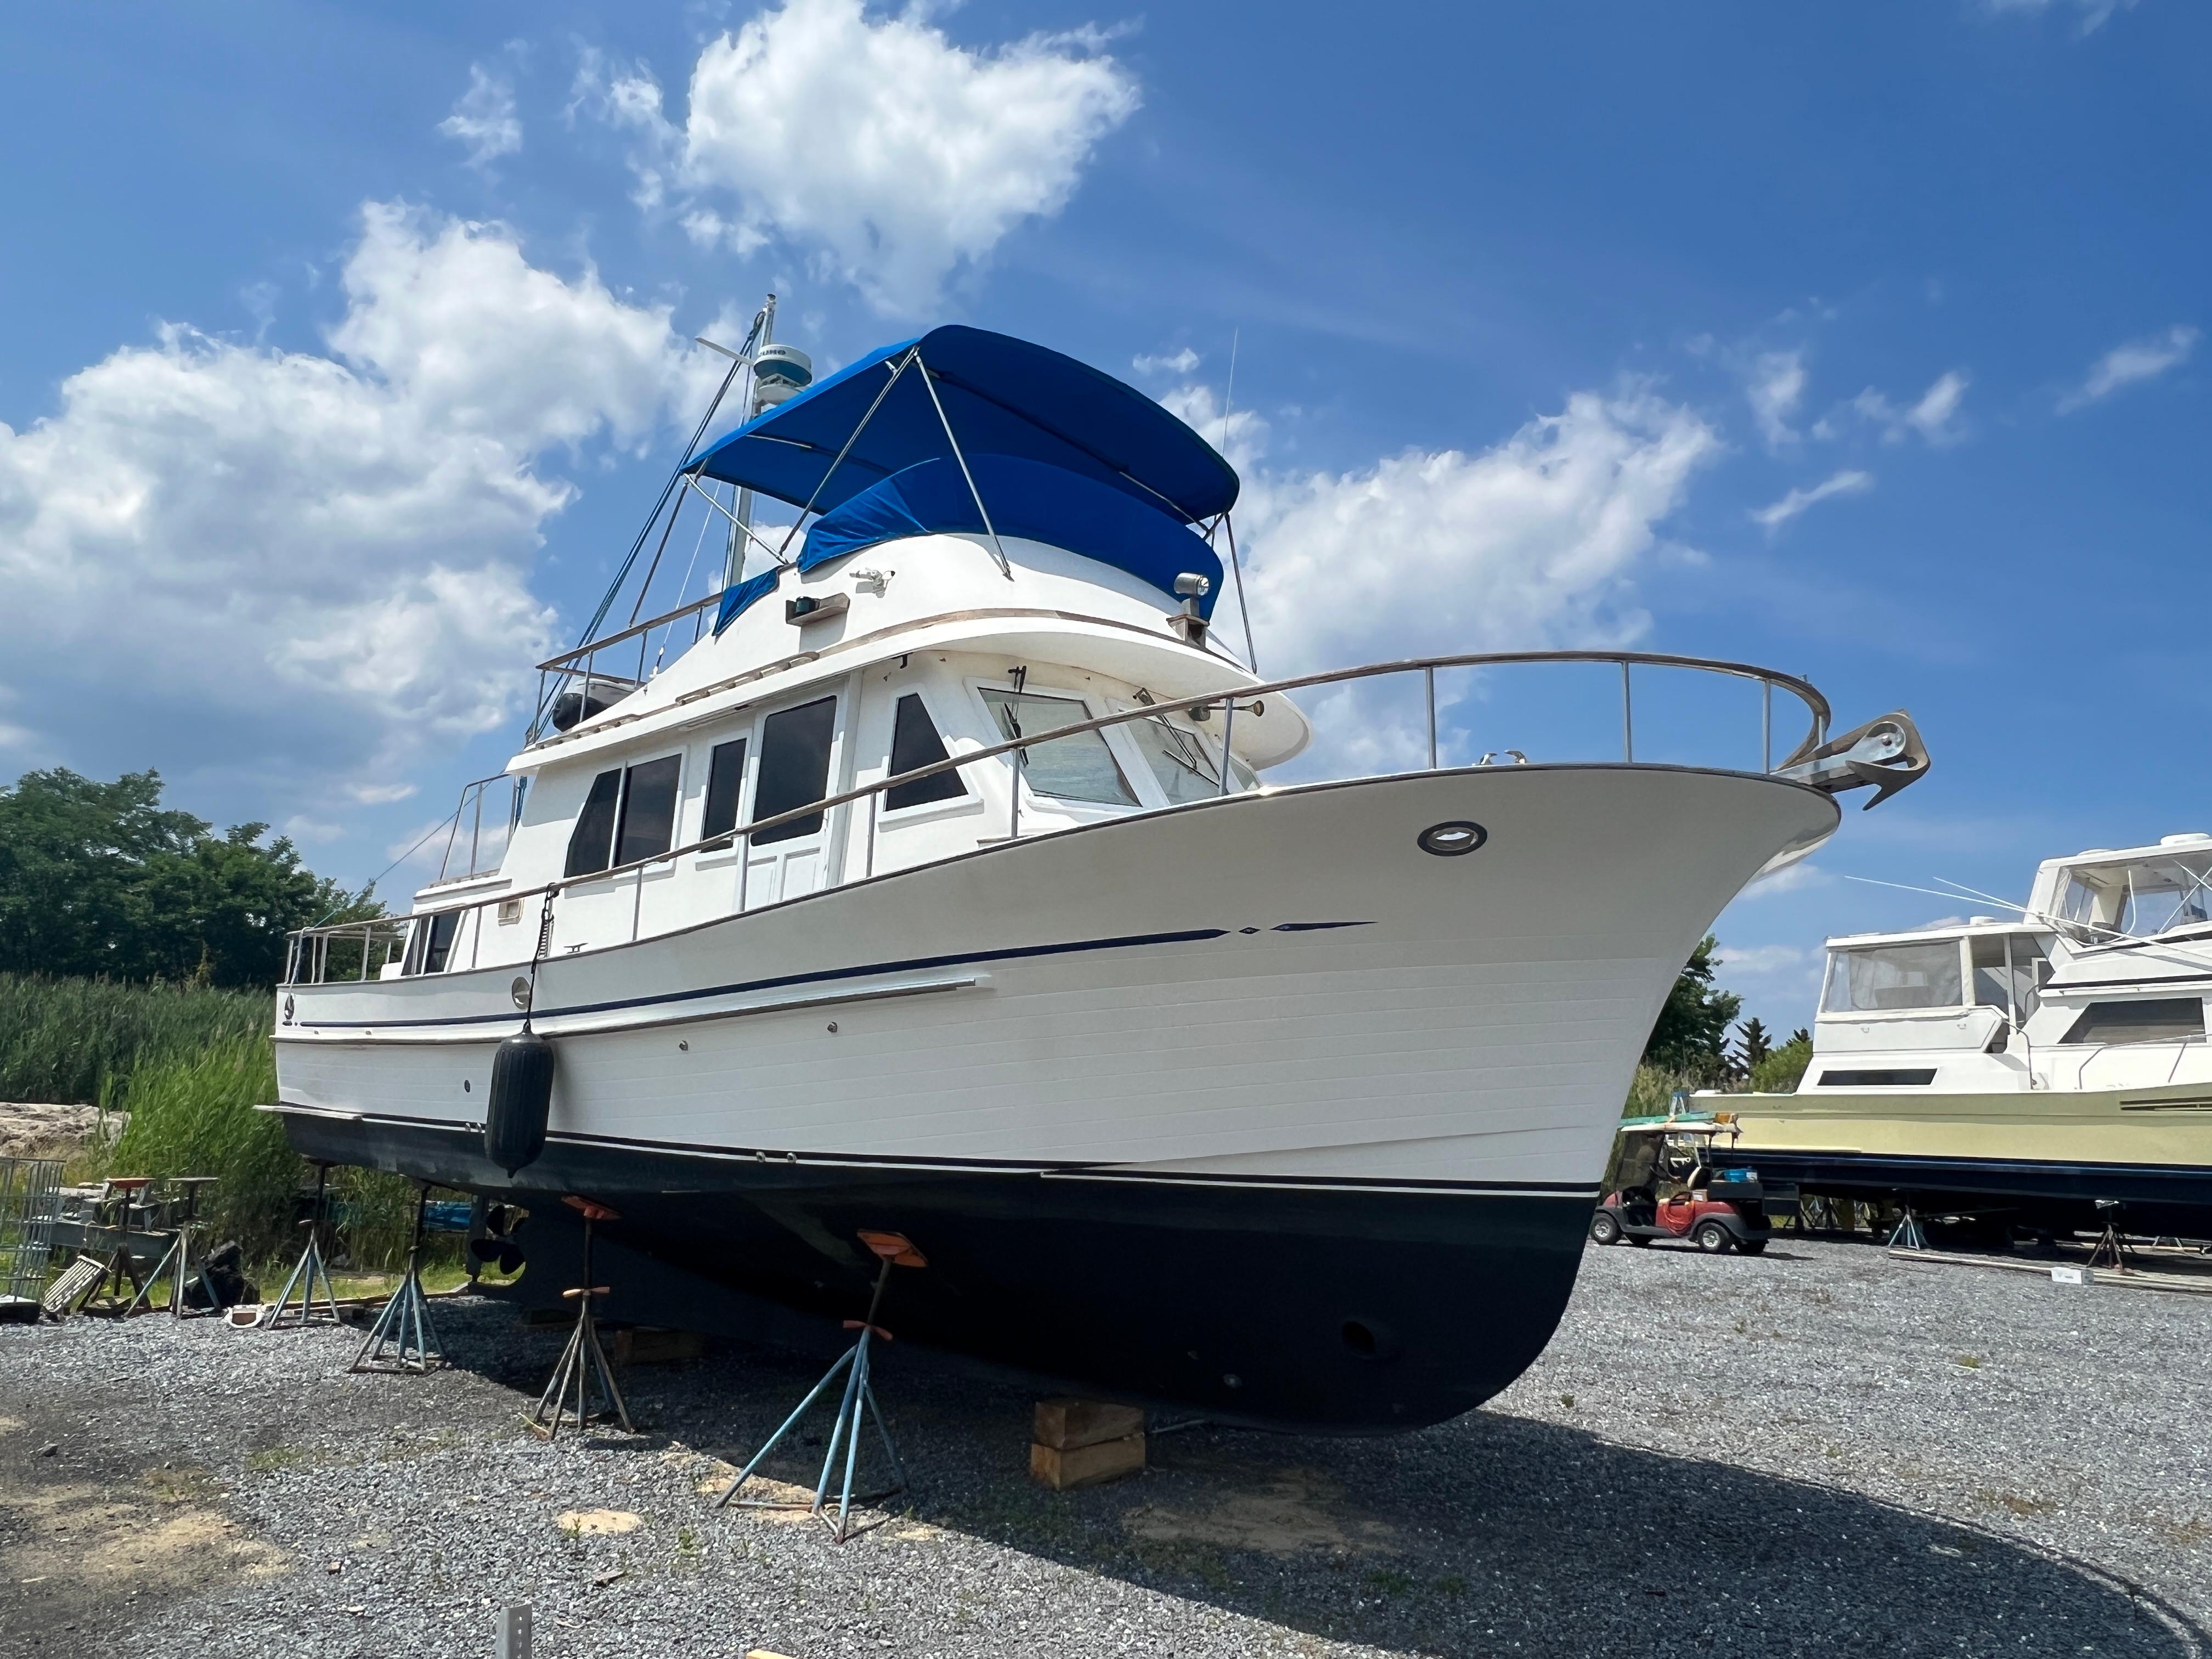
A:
<point x="1279" y="985"/>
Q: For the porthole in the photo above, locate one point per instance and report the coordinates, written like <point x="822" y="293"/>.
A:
<point x="520" y="992"/>
<point x="1454" y="839"/>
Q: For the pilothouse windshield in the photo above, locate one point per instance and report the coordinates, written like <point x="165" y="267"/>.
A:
<point x="2139" y="899"/>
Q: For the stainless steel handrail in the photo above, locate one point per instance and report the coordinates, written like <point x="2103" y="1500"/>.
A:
<point x="1816" y="733"/>
<point x="559" y="663"/>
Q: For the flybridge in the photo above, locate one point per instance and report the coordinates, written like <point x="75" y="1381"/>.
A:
<point x="983" y="394"/>
<point x="963" y="430"/>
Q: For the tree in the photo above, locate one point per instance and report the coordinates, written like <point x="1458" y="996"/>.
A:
<point x="1780" y="1072"/>
<point x="100" y="879"/>
<point x="1691" y="1033"/>
<point x="1753" y="1044"/>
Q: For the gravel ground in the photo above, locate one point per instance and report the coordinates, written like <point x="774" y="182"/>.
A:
<point x="1821" y="1451"/>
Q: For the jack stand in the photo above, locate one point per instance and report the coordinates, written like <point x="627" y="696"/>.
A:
<point x="406" y="1321"/>
<point x="174" y="1262"/>
<point x="893" y="1249"/>
<point x="309" y="1270"/>
<point x="1909" y="1235"/>
<point x="2110" y="1248"/>
<point x="583" y="1362"/>
<point x="177" y="1259"/>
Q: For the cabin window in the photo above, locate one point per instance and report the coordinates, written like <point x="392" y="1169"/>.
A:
<point x="2139" y="899"/>
<point x="2008" y="978"/>
<point x="430" y="943"/>
<point x="1918" y="1077"/>
<point x="1184" y="770"/>
<point x="2165" y="1020"/>
<point x="726" y="783"/>
<point x="1077" y="768"/>
<point x="915" y="742"/>
<point x="794" y="767"/>
<point x="649" y="810"/>
<point x="443" y="928"/>
<point x="590" y="843"/>
<point x="1885" y="977"/>
<point x="1181" y="763"/>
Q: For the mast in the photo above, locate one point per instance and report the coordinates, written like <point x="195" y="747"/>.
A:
<point x="733" y="563"/>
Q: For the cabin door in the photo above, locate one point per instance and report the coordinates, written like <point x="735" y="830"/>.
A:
<point x="796" y="749"/>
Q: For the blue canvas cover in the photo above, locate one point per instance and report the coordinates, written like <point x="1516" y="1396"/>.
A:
<point x="738" y="596"/>
<point x="1003" y="396"/>
<point x="1026" y="498"/>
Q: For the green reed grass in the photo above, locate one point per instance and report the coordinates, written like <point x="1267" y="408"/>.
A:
<point x="189" y="1092"/>
<point x="75" y="1042"/>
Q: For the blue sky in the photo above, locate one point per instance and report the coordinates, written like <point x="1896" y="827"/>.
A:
<point x="345" y="346"/>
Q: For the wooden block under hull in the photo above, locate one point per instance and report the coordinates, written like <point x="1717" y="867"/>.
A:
<point x="642" y="1345"/>
<point x="1066" y="1423"/>
<point x="1087" y="1465"/>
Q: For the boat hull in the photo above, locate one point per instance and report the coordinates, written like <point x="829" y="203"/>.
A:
<point x="1262" y="1303"/>
<point x="2039" y="1158"/>
<point x="1254" y="1107"/>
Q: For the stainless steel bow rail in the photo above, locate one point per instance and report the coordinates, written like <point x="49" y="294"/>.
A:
<point x="1885" y="754"/>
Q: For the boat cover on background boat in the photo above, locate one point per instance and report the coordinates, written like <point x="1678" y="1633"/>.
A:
<point x="1002" y="397"/>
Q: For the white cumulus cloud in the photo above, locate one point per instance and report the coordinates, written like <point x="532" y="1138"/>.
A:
<point x="1933" y="417"/>
<point x="306" y="568"/>
<point x="892" y="155"/>
<point x="1759" y="960"/>
<point x="1181" y="361"/>
<point x="2126" y="364"/>
<point x="1774" y="385"/>
<point x="484" y="118"/>
<point x="1533" y="542"/>
<point x="1775" y="514"/>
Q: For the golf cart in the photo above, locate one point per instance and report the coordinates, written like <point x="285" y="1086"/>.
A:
<point x="1671" y="1187"/>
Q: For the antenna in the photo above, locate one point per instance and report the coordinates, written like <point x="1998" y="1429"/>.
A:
<point x="1236" y="564"/>
<point x="1228" y="395"/>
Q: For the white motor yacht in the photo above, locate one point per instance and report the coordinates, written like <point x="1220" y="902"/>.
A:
<point x="2021" y="1068"/>
<point x="934" y="888"/>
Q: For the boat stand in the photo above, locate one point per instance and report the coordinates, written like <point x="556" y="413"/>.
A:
<point x="405" y="1322"/>
<point x="2111" y="1250"/>
<point x="583" y="1368"/>
<point x="310" y="1271"/>
<point x="176" y="1262"/>
<point x="1909" y="1235"/>
<point x="177" y="1259"/>
<point x="891" y="1249"/>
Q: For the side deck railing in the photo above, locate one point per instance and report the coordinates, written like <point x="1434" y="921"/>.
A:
<point x="456" y="932"/>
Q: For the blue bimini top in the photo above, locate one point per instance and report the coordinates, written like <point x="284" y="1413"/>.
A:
<point x="1001" y="396"/>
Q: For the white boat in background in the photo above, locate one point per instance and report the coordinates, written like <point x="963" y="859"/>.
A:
<point x="2017" y="1070"/>
<point x="934" y="890"/>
